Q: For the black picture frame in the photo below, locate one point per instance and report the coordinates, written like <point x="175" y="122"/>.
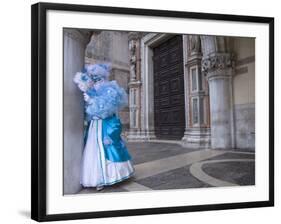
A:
<point x="39" y="114"/>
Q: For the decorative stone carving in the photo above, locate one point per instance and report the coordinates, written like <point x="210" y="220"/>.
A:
<point x="217" y="62"/>
<point x="133" y="59"/>
<point x="194" y="44"/>
<point x="134" y="86"/>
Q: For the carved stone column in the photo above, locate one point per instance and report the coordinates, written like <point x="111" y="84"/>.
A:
<point x="218" y="68"/>
<point x="197" y="130"/>
<point x="134" y="86"/>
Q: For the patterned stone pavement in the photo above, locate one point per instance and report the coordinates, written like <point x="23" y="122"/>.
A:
<point x="162" y="166"/>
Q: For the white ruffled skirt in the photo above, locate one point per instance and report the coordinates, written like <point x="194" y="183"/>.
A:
<point x="96" y="170"/>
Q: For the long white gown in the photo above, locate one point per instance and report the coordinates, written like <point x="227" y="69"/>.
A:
<point x="96" y="170"/>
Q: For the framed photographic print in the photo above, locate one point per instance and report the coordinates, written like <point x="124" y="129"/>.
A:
<point x="140" y="111"/>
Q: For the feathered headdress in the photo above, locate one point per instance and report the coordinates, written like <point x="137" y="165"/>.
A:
<point x="91" y="74"/>
<point x="105" y="100"/>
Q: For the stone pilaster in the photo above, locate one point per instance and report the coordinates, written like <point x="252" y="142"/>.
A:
<point x="218" y="68"/>
<point x="75" y="43"/>
<point x="135" y="84"/>
<point x="197" y="128"/>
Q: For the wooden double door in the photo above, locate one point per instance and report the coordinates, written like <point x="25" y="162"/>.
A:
<point x="169" y="104"/>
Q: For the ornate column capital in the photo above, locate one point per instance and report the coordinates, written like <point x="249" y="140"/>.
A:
<point x="217" y="63"/>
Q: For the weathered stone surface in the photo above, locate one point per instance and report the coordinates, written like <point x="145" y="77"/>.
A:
<point x="240" y="173"/>
<point x="220" y="113"/>
<point x="245" y="126"/>
<point x="74" y="50"/>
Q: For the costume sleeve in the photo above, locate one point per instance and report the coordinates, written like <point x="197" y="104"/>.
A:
<point x="109" y="99"/>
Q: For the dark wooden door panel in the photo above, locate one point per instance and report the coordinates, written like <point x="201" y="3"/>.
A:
<point x="169" y="89"/>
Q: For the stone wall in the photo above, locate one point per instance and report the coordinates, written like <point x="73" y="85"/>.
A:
<point x="244" y="92"/>
<point x="244" y="115"/>
<point x="112" y="46"/>
<point x="244" y="79"/>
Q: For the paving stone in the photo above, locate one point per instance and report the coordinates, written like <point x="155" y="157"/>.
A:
<point x="175" y="179"/>
<point x="241" y="173"/>
<point x="143" y="152"/>
<point x="233" y="156"/>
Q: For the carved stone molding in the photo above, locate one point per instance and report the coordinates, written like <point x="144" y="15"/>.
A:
<point x="82" y="36"/>
<point x="133" y="58"/>
<point x="134" y="84"/>
<point x="135" y="35"/>
<point x="194" y="60"/>
<point x="194" y="44"/>
<point x="217" y="62"/>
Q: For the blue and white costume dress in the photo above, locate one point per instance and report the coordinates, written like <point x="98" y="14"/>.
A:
<point x="105" y="160"/>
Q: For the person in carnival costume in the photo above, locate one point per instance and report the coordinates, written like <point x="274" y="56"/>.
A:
<point x="105" y="159"/>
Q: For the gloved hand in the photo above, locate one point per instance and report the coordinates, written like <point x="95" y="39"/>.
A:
<point x="86" y="97"/>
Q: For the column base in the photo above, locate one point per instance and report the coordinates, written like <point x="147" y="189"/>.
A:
<point x="135" y="135"/>
<point x="197" y="138"/>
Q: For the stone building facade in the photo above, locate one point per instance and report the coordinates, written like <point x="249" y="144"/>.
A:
<point x="218" y="89"/>
<point x="196" y="90"/>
